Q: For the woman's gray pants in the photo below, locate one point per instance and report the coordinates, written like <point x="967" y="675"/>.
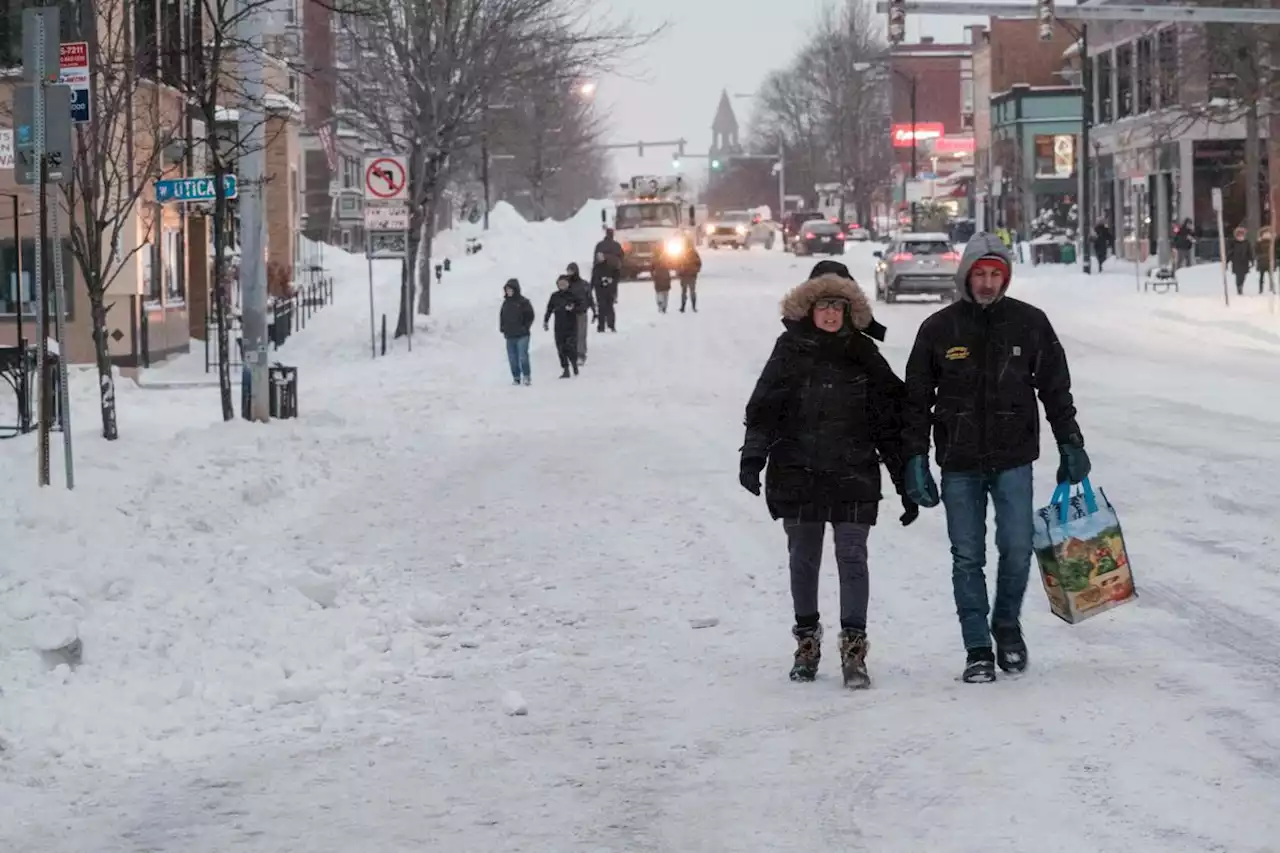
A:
<point x="582" y="335"/>
<point x="804" y="542"/>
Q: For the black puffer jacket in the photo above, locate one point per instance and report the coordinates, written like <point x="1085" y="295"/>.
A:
<point x="581" y="289"/>
<point x="825" y="413"/>
<point x="517" y="314"/>
<point x="974" y="374"/>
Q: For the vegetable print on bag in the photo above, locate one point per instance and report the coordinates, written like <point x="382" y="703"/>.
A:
<point x="1080" y="547"/>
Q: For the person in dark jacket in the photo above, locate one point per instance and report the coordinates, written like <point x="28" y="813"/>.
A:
<point x="1182" y="243"/>
<point x="824" y="415"/>
<point x="515" y="319"/>
<point x="1240" y="257"/>
<point x="1103" y="241"/>
<point x="973" y="375"/>
<point x="581" y="288"/>
<point x="690" y="267"/>
<point x="606" y="271"/>
<point x="563" y="304"/>
<point x="662" y="284"/>
<point x="1265" y="260"/>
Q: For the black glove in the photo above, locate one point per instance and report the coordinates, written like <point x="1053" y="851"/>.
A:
<point x="1074" y="464"/>
<point x="910" y="512"/>
<point x="749" y="475"/>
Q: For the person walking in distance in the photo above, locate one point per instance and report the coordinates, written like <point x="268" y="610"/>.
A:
<point x="824" y="415"/>
<point x="1265" y="260"/>
<point x="973" y="376"/>
<point x="515" y="320"/>
<point x="581" y="288"/>
<point x="1240" y="256"/>
<point x="563" y="305"/>
<point x="606" y="271"/>
<point x="690" y="266"/>
<point x="661" y="284"/>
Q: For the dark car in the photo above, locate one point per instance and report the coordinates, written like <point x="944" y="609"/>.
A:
<point x="793" y="224"/>
<point x="820" y="238"/>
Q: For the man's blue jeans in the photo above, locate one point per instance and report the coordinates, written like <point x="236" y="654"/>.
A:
<point x="965" y="497"/>
<point x="518" y="355"/>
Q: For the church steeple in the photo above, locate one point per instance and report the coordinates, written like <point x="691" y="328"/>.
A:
<point x="724" y="129"/>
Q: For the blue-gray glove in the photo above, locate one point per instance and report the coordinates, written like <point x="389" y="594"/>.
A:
<point x="921" y="488"/>
<point x="1074" y="465"/>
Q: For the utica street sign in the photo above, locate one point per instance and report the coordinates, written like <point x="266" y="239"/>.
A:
<point x="194" y="189"/>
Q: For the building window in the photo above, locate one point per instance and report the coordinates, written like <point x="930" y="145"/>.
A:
<point x="1055" y="156"/>
<point x="295" y="88"/>
<point x="1145" y="74"/>
<point x="71" y="23"/>
<point x="1167" y="57"/>
<point x="1124" y="81"/>
<point x="1102" y="79"/>
<point x="9" y="277"/>
<point x="195" y="37"/>
<point x="350" y="173"/>
<point x="1222" y="62"/>
<point x="174" y="285"/>
<point x="171" y="46"/>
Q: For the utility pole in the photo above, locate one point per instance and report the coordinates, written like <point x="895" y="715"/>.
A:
<point x="1085" y="217"/>
<point x="253" y="273"/>
<point x="914" y="147"/>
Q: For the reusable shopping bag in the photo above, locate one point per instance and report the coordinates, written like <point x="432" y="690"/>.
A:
<point x="1080" y="548"/>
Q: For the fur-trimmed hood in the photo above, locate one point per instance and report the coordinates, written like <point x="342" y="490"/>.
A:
<point x="798" y="304"/>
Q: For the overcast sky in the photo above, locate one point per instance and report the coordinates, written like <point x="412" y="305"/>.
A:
<point x="671" y="88"/>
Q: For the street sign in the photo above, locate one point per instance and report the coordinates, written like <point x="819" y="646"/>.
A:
<point x="73" y="71"/>
<point x="57" y="134"/>
<point x="194" y="189"/>
<point x="386" y="217"/>
<point x="33" y="20"/>
<point x="1216" y="194"/>
<point x="386" y="244"/>
<point x="385" y="178"/>
<point x="6" y="148"/>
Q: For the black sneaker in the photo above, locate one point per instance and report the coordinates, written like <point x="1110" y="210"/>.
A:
<point x="980" y="667"/>
<point x="1011" y="649"/>
<point x="565" y="375"/>
<point x="808" y="652"/>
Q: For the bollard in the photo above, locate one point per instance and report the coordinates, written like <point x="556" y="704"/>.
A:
<point x="384" y="334"/>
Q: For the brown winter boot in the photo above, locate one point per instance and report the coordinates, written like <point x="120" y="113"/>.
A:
<point x="808" y="652"/>
<point x="853" y="659"/>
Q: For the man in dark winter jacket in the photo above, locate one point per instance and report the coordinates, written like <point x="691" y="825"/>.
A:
<point x="564" y="305"/>
<point x="606" y="271"/>
<point x="581" y="288"/>
<point x="824" y="415"/>
<point x="1240" y="256"/>
<point x="514" y="321"/>
<point x="689" y="269"/>
<point x="974" y="373"/>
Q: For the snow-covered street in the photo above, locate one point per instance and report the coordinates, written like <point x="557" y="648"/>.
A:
<point x="323" y="635"/>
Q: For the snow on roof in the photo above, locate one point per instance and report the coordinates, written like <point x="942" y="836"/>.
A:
<point x="226" y="114"/>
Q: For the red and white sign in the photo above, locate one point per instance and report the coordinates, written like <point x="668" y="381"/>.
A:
<point x="73" y="63"/>
<point x="958" y="146"/>
<point x="385" y="178"/>
<point x="901" y="133"/>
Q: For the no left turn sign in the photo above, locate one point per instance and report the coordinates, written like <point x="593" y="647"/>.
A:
<point x="385" y="178"/>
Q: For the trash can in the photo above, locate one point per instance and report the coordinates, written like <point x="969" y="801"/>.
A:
<point x="283" y="382"/>
<point x="1068" y="253"/>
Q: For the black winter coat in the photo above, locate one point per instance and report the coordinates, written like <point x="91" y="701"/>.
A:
<point x="516" y="317"/>
<point x="581" y="288"/>
<point x="612" y="263"/>
<point x="1240" y="256"/>
<point x="564" y="305"/>
<point x="825" y="413"/>
<point x="973" y="375"/>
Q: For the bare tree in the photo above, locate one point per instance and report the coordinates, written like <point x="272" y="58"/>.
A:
<point x="443" y="62"/>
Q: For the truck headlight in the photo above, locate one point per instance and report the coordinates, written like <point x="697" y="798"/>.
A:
<point x="742" y="229"/>
<point x="710" y="229"/>
<point x="675" y="247"/>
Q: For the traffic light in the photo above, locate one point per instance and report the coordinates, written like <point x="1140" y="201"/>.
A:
<point x="715" y="165"/>
<point x="675" y="162"/>
<point x="1044" y="12"/>
<point x="898" y="21"/>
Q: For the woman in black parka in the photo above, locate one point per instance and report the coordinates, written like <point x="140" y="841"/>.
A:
<point x="826" y="412"/>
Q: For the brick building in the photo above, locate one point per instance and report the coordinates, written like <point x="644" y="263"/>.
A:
<point x="942" y="77"/>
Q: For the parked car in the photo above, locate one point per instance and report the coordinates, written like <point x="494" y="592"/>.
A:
<point x="857" y="233"/>
<point x="793" y="223"/>
<point x="820" y="238"/>
<point x="737" y="228"/>
<point x="917" y="264"/>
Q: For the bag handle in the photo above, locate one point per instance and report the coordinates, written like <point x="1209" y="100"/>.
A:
<point x="1062" y="499"/>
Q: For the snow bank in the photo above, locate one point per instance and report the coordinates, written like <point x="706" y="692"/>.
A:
<point x="178" y="563"/>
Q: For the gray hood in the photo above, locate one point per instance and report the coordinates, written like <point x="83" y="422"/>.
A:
<point x="983" y="244"/>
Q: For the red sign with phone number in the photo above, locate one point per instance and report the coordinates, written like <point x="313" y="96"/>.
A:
<point x="74" y="54"/>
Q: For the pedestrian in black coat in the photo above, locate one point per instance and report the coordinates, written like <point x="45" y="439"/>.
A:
<point x="563" y="305"/>
<point x="515" y="320"/>
<point x="606" y="272"/>
<point x="1103" y="241"/>
<point x="581" y="288"/>
<point x="972" y="378"/>
<point x="824" y="416"/>
<point x="1240" y="257"/>
<point x="690" y="267"/>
